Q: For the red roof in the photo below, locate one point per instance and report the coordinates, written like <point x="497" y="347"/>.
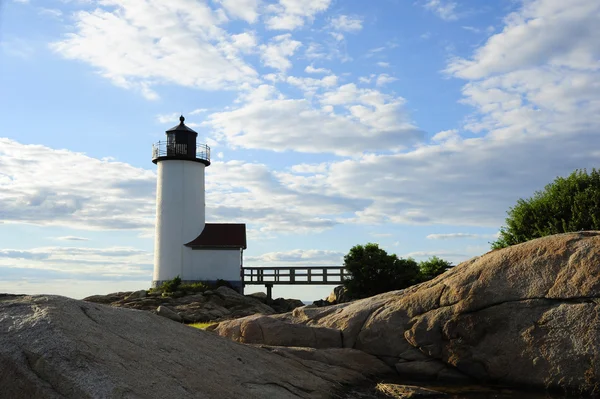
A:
<point x="220" y="235"/>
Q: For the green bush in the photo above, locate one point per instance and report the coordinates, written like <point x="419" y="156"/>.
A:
<point x="373" y="271"/>
<point x="433" y="267"/>
<point x="174" y="285"/>
<point x="171" y="285"/>
<point x="565" y="205"/>
<point x="194" y="287"/>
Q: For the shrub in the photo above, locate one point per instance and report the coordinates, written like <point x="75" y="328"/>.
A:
<point x="194" y="287"/>
<point x="433" y="267"/>
<point x="565" y="205"/>
<point x="171" y="285"/>
<point x="374" y="271"/>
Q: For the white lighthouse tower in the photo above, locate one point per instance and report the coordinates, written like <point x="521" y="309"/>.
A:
<point x="185" y="245"/>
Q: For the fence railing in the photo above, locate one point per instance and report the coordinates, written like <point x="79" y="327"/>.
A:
<point x="166" y="149"/>
<point x="295" y="275"/>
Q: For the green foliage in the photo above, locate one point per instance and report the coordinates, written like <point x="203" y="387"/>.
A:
<point x="433" y="267"/>
<point x="565" y="205"/>
<point x="175" y="285"/>
<point x="373" y="271"/>
<point x="194" y="287"/>
<point x="171" y="285"/>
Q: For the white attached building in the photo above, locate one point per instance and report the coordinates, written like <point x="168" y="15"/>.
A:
<point x="185" y="245"/>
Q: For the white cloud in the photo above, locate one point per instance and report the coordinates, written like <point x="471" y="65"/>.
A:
<point x="315" y="50"/>
<point x="276" y="54"/>
<point x="384" y="79"/>
<point x="92" y="263"/>
<point x="451" y="256"/>
<point x="242" y="9"/>
<point x="311" y="69"/>
<point x="270" y="202"/>
<point x="310" y="85"/>
<point x="297" y="257"/>
<point x="444" y="9"/>
<point x="198" y="111"/>
<point x="366" y="79"/>
<point x="383" y="64"/>
<point x="274" y="77"/>
<point x="329" y="50"/>
<point x="337" y="36"/>
<point x="72" y="238"/>
<point x="376" y="50"/>
<point x="371" y="121"/>
<point x="172" y="118"/>
<point x="446" y="135"/>
<point x="52" y="12"/>
<point x="44" y="186"/>
<point x="293" y="14"/>
<point x="138" y="45"/>
<point x="471" y="29"/>
<point x="344" y="23"/>
<point x="552" y="32"/>
<point x="450" y="236"/>
<point x="245" y="42"/>
<point x="309" y="168"/>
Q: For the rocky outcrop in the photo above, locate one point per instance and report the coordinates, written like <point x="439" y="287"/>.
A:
<point x="168" y="313"/>
<point x="525" y="315"/>
<point x="55" y="347"/>
<point x="338" y="295"/>
<point x="219" y="304"/>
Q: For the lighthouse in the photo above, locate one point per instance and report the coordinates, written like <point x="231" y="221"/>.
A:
<point x="184" y="244"/>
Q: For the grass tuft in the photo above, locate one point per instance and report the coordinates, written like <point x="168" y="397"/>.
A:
<point x="202" y="326"/>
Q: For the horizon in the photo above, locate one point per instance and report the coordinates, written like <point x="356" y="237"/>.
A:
<point x="415" y="125"/>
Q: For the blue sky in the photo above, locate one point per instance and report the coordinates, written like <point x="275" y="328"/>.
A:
<point x="413" y="124"/>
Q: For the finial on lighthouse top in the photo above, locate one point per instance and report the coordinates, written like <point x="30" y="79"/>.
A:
<point x="181" y="127"/>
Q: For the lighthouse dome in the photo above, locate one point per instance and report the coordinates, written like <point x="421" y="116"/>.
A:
<point x="181" y="145"/>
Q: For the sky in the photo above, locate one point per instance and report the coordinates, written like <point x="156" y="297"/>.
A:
<point x="414" y="124"/>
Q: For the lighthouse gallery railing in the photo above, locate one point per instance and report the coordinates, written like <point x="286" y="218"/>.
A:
<point x="169" y="149"/>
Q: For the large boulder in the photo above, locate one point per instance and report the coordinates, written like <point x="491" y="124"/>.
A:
<point x="55" y="347"/>
<point x="260" y="329"/>
<point x="524" y="315"/>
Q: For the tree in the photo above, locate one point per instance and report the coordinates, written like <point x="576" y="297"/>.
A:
<point x="374" y="271"/>
<point x="565" y="205"/>
<point x="433" y="267"/>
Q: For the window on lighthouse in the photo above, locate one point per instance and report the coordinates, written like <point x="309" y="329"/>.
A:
<point x="171" y="144"/>
<point x="181" y="143"/>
